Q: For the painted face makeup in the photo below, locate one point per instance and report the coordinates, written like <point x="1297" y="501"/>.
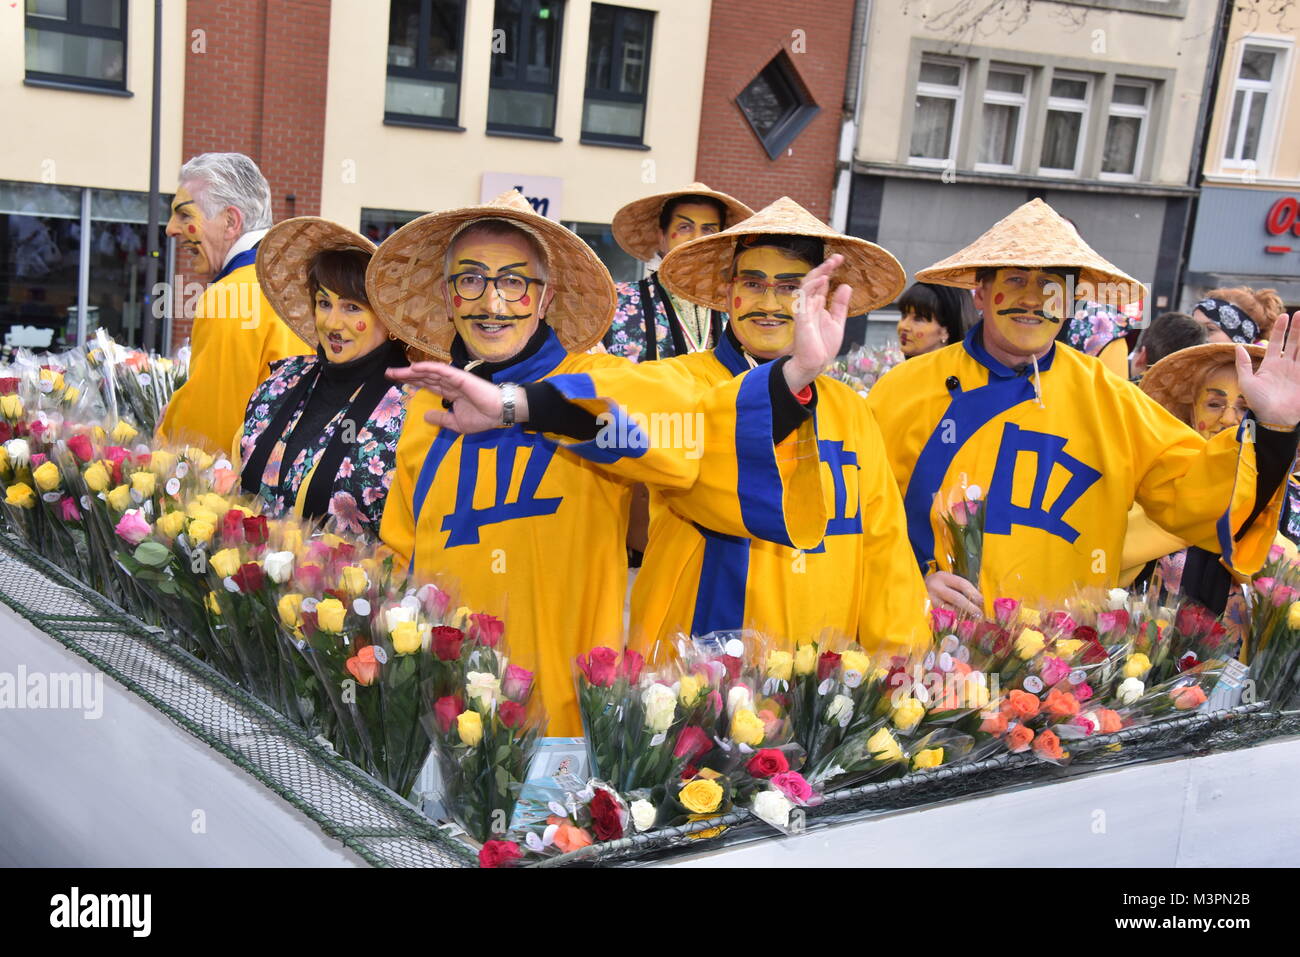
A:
<point x="918" y="335"/>
<point x="1023" y="310"/>
<point x="1219" y="403"/>
<point x="203" y="238"/>
<point x="764" y="285"/>
<point x="493" y="324"/>
<point x="347" y="330"/>
<point x="690" y="221"/>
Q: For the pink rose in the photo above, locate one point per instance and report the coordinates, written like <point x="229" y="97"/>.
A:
<point x="486" y="629"/>
<point x="518" y="682"/>
<point x="693" y="743"/>
<point x="1004" y="610"/>
<point x="1282" y="595"/>
<point x="631" y="666"/>
<point x="1088" y="722"/>
<point x="1053" y="670"/>
<point x="600" y="666"/>
<point x="715" y="701"/>
<point x="1274" y="554"/>
<point x="436" y="601"/>
<point x="1264" y="585"/>
<point x="966" y="629"/>
<point x="133" y="529"/>
<point x="793" y="786"/>
<point x="1108" y="621"/>
<point x="1082" y="692"/>
<point x="68" y="510"/>
<point x="1061" y="621"/>
<point x="942" y="620"/>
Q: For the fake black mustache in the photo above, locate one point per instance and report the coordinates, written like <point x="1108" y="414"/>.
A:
<point x="765" y="315"/>
<point x="1029" y="312"/>
<point x="484" y="317"/>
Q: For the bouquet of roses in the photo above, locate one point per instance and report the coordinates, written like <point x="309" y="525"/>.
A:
<point x="963" y="522"/>
<point x="863" y="366"/>
<point x="1139" y="703"/>
<point x="596" y="814"/>
<point x="1274" y="647"/>
<point x="137" y="385"/>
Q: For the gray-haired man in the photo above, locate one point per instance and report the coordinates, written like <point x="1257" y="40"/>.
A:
<point x="221" y="211"/>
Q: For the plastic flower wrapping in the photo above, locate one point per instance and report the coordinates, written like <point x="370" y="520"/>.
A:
<point x="863" y="365"/>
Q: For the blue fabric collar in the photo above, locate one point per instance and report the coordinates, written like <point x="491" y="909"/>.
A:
<point x="537" y="366"/>
<point x="730" y="357"/>
<point x="246" y="258"/>
<point x="974" y="346"/>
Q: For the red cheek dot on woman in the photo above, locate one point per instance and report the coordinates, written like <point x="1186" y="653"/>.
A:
<point x="361" y="326"/>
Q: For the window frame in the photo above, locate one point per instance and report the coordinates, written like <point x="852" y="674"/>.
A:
<point x="74" y="27"/>
<point x="1274" y="89"/>
<point x="1142" y="113"/>
<point x="787" y="130"/>
<point x="419" y="72"/>
<point x="936" y="91"/>
<point x="495" y="83"/>
<point x="615" y="67"/>
<point x="1003" y="98"/>
<point x="1062" y="105"/>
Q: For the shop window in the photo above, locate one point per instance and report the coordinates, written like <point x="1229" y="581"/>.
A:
<point x="77" y="42"/>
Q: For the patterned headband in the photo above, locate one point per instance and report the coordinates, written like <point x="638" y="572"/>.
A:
<point x="1238" y="326"/>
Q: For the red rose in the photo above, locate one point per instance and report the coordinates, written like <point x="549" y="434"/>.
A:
<point x="732" y="664"/>
<point x="249" y="577"/>
<point x="693" y="743"/>
<point x="79" y="445"/>
<point x="6" y="432"/>
<point x="499" y="854"/>
<point x="232" y="527"/>
<point x="255" y="529"/>
<point x="1188" y="660"/>
<point x="767" y="762"/>
<point x="445" y="711"/>
<point x="630" y="668"/>
<point x="1094" y="653"/>
<point x="826" y="664"/>
<point x="512" y="713"/>
<point x="486" y="629"/>
<point x="20" y="429"/>
<point x="309" y="623"/>
<point x="8" y="385"/>
<point x="599" y="666"/>
<point x="1087" y="633"/>
<point x="606" y="820"/>
<point x="345" y="552"/>
<point x="447" y="642"/>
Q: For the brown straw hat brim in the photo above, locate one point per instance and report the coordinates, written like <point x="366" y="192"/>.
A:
<point x="700" y="270"/>
<point x="1035" y="236"/>
<point x="284" y="259"/>
<point x="1175" y="379"/>
<point x="407" y="286"/>
<point x="636" y="225"/>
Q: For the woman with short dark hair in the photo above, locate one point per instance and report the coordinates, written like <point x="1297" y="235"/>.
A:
<point x="933" y="317"/>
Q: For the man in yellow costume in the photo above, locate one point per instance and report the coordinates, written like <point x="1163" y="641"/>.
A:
<point x="1051" y="448"/>
<point x="526" y="528"/>
<point x="220" y="213"/>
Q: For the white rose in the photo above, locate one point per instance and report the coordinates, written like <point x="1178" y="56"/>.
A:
<point x="660" y="706"/>
<point x="278" y="566"/>
<point x="773" y="807"/>
<point x="643" y="814"/>
<point x="1117" y="598"/>
<point x="739" y="697"/>
<point x="396" y="615"/>
<point x="19" y="452"/>
<point x="1130" y="689"/>
<point x="840" y="710"/>
<point x="484" y="687"/>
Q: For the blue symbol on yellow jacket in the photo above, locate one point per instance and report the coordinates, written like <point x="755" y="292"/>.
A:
<point x="840" y="523"/>
<point x="1049" y="452"/>
<point x="465" y="521"/>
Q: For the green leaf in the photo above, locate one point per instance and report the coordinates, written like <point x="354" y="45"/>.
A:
<point x="152" y="554"/>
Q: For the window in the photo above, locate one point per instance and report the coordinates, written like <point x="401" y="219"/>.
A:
<point x="77" y="41"/>
<point x="1126" y="127"/>
<point x="424" y="42"/>
<point x="938" y="108"/>
<point x="378" y="224"/>
<point x="600" y="237"/>
<point x="1067" y="124"/>
<point x="777" y="105"/>
<point x="618" y="67"/>
<point x="525" y="65"/>
<point x="1006" y="99"/>
<point x="1256" y="104"/>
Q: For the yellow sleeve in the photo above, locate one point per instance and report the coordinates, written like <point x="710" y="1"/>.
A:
<point x="1145" y="541"/>
<point x="1114" y="356"/>
<point x="397" y="527"/>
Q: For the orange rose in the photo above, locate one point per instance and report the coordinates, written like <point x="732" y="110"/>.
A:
<point x="1048" y="745"/>
<point x="568" y="836"/>
<point x="1061" y="704"/>
<point x="1019" y="737"/>
<point x="363" y="665"/>
<point x="1187" y="697"/>
<point x="961" y="668"/>
<point x="995" y="724"/>
<point x="1110" y="720"/>
<point x="1022" y="704"/>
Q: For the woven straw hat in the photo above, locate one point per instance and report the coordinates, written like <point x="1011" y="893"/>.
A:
<point x="1034" y="236"/>
<point x="636" y="225"/>
<point x="701" y="269"/>
<point x="407" y="287"/>
<point x="284" y="261"/>
<point x="1175" y="379"/>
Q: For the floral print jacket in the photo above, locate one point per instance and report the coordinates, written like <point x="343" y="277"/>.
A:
<point x="365" y="474"/>
<point x="626" y="336"/>
<point x="1094" y="326"/>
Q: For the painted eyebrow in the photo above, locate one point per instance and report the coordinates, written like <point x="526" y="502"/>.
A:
<point x="790" y="275"/>
<point x="475" y="262"/>
<point x="179" y="206"/>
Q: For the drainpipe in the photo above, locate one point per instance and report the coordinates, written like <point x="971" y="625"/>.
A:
<point x="849" y="122"/>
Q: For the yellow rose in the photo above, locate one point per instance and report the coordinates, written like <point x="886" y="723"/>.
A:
<point x="805" y="659"/>
<point x="908" y="714"/>
<point x="330" y="614"/>
<point x="1029" y="643"/>
<point x="200" y="514"/>
<point x="1137" y="665"/>
<point x="99" y="433"/>
<point x="199" y="531"/>
<point x="198" y="458"/>
<point x="213" y="503"/>
<point x="884" y="747"/>
<point x="690" y="689"/>
<point x="171" y="524"/>
<point x="225" y="562"/>
<point x="855" y="661"/>
<point x="123" y="432"/>
<point x="71" y="394"/>
<point x="469" y="725"/>
<point x="1068" y="647"/>
<point x="4" y="458"/>
<point x="55" y="379"/>
<point x="332" y="541"/>
<point x="780" y="665"/>
<point x="96" y="477"/>
<point x="929" y="758"/>
<point x="352" y="581"/>
<point x="213" y="605"/>
<point x="20" y="494"/>
<point x="747" y="727"/>
<point x="461" y="615"/>
<point x="976" y="694"/>
<point x="1029" y="616"/>
<point x="119" y="498"/>
<point x="291" y="539"/>
<point x="47" y="477"/>
<point x="1293" y="615"/>
<point x="701" y="796"/>
<point x="143" y="482"/>
<point x="290" y="609"/>
<point x="11" y="407"/>
<point x="162" y="462"/>
<point x="406" y="638"/>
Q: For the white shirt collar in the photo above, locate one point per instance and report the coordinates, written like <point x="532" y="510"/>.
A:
<point x="244" y="242"/>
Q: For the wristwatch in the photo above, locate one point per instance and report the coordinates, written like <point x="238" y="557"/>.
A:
<point x="508" y="392"/>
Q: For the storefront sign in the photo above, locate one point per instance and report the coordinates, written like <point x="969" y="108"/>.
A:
<point x="1246" y="232"/>
<point x="542" y="192"/>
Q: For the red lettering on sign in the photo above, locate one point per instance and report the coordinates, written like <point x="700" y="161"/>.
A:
<point x="1282" y="216"/>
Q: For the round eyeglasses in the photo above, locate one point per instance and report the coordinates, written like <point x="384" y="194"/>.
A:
<point x="510" y="288"/>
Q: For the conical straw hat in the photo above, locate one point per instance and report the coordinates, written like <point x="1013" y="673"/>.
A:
<point x="636" y="225"/>
<point x="1175" y="379"/>
<point x="284" y="260"/>
<point x="700" y="270"/>
<point x="407" y="286"/>
<point x="1034" y="237"/>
